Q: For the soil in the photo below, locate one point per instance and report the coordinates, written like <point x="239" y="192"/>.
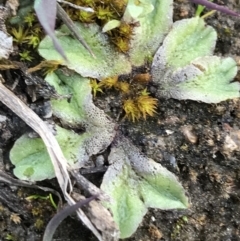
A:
<point x="198" y="142"/>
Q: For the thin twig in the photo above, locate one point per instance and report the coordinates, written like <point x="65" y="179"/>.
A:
<point x="206" y="15"/>
<point x="33" y="120"/>
<point x="58" y="160"/>
<point x="86" y="9"/>
<point x="60" y="216"/>
<point x="70" y="24"/>
<point x="88" y="186"/>
<point x="4" y="177"/>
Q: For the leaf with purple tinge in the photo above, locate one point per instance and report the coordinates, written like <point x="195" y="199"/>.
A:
<point x="46" y="12"/>
<point x="61" y="215"/>
<point x="217" y="7"/>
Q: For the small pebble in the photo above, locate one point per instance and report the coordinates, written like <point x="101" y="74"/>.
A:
<point x="3" y="118"/>
<point x="100" y="161"/>
<point x="189" y="134"/>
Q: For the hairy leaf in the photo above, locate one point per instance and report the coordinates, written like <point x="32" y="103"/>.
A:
<point x="151" y="25"/>
<point x="187" y="40"/>
<point x="108" y="61"/>
<point x="135" y="183"/>
<point x="136" y="10"/>
<point x="206" y="79"/>
<point x="80" y="110"/>
<point x="182" y="71"/>
<point x="31" y="158"/>
<point x="30" y="155"/>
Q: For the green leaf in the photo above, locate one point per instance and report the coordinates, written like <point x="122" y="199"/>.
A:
<point x="136" y="183"/>
<point x="182" y="71"/>
<point x="31" y="158"/>
<point x="111" y="25"/>
<point x="153" y="26"/>
<point x="108" y="61"/>
<point x="73" y="112"/>
<point x="126" y="206"/>
<point x="30" y="155"/>
<point x="187" y="40"/>
<point x="206" y="79"/>
<point x="137" y="9"/>
<point x="153" y="17"/>
<point x="80" y="111"/>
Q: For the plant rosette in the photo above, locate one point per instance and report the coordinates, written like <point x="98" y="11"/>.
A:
<point x="183" y="67"/>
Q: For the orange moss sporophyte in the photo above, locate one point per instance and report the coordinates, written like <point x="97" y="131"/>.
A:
<point x="142" y="78"/>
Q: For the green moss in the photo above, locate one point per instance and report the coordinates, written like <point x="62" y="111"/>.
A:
<point x="104" y="12"/>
